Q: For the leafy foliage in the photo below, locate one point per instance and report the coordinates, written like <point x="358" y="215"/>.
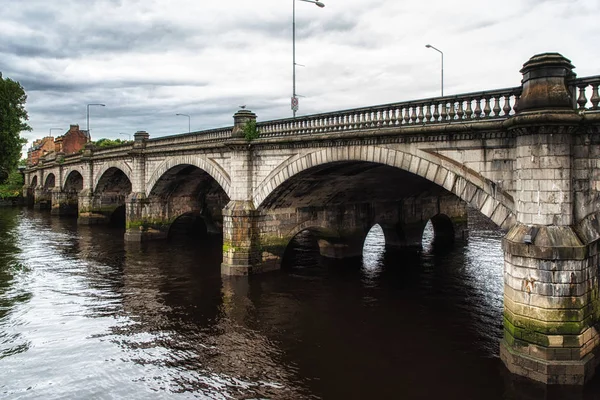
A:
<point x="104" y="142"/>
<point x="13" y="117"/>
<point x="13" y="185"/>
<point x="250" y="130"/>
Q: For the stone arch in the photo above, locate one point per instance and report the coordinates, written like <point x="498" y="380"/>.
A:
<point x="310" y="224"/>
<point x="50" y="181"/>
<point x="34" y="181"/>
<point x="120" y="165"/>
<point x="443" y="229"/>
<point x="208" y="166"/>
<point x="67" y="171"/>
<point x="465" y="183"/>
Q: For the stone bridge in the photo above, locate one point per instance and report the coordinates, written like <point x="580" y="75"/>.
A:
<point x="527" y="157"/>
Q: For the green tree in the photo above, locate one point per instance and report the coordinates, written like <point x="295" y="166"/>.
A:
<point x="104" y="142"/>
<point x="13" y="117"/>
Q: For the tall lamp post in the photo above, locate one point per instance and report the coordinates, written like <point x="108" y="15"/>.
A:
<point x="128" y="135"/>
<point x="439" y="51"/>
<point x="294" y="98"/>
<point x="189" y="121"/>
<point x="88" y="117"/>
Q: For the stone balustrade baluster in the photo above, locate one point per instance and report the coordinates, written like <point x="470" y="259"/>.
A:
<point x="420" y="116"/>
<point x="582" y="100"/>
<point x="428" y="113"/>
<point x="487" y="109"/>
<point x="506" y="107"/>
<point x="406" y="115"/>
<point x="595" y="99"/>
<point x="413" y="115"/>
<point x="460" y="112"/>
<point x="496" y="108"/>
<point x="386" y="117"/>
<point x="436" y="114"/>
<point x="394" y="116"/>
<point x="477" y="108"/>
<point x="444" y="113"/>
<point x="451" y="111"/>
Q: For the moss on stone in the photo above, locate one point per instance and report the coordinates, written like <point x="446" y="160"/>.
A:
<point x="147" y="224"/>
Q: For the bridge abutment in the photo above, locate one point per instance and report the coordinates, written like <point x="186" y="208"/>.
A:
<point x="550" y="273"/>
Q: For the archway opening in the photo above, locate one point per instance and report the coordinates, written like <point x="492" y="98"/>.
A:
<point x="188" y="225"/>
<point x="50" y="181"/>
<point x="302" y="252"/>
<point x="110" y="195"/>
<point x="188" y="201"/>
<point x="73" y="185"/>
<point x="438" y="234"/>
<point x="373" y="254"/>
<point x="34" y="182"/>
<point x="117" y="218"/>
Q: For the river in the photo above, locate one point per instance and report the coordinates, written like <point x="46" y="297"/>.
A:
<point x="84" y="315"/>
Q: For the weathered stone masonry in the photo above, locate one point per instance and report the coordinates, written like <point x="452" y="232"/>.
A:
<point x="527" y="157"/>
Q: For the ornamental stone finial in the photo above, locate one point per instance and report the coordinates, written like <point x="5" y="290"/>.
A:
<point x="544" y="83"/>
<point x="140" y="135"/>
<point x="239" y="120"/>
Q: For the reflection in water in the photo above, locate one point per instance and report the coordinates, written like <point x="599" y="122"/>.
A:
<point x="85" y="315"/>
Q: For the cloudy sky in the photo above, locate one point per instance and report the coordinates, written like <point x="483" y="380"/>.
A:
<point x="150" y="59"/>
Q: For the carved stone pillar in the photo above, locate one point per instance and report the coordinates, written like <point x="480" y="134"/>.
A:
<point x="550" y="273"/>
<point x="141" y="224"/>
<point x="241" y="255"/>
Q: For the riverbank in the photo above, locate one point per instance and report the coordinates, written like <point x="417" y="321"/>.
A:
<point x="12" y="201"/>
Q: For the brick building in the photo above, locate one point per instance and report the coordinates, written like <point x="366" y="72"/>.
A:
<point x="40" y="148"/>
<point x="71" y="142"/>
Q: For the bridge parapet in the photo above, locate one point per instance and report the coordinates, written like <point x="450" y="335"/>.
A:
<point x="206" y="136"/>
<point x="468" y="107"/>
<point x="587" y="86"/>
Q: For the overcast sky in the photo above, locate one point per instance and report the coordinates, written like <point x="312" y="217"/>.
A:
<point x="150" y="59"/>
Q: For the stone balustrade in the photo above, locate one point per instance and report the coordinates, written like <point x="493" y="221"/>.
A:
<point x="475" y="106"/>
<point x="584" y="87"/>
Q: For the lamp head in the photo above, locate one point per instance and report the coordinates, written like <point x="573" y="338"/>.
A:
<point x="428" y="46"/>
<point x="318" y="3"/>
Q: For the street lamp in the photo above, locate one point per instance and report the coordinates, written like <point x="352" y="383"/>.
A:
<point x="128" y="135"/>
<point x="88" y="117"/>
<point x="294" y="98"/>
<point x="439" y="51"/>
<point x="54" y="129"/>
<point x="189" y="121"/>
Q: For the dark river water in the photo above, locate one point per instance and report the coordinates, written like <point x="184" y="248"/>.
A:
<point x="84" y="315"/>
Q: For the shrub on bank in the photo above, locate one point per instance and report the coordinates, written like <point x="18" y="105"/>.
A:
<point x="12" y="187"/>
